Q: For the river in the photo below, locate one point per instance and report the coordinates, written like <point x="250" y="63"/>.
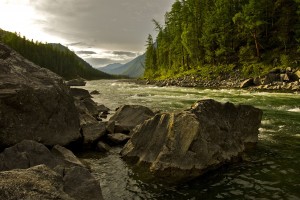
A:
<point x="270" y="171"/>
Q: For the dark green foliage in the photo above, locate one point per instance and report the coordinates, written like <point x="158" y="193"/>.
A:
<point x="54" y="57"/>
<point x="254" y="36"/>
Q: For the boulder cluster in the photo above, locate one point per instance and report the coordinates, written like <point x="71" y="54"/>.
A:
<point x="277" y="79"/>
<point x="42" y="120"/>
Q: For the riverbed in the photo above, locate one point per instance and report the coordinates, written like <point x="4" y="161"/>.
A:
<point x="270" y="171"/>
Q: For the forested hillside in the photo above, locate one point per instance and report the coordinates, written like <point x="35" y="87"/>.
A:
<point x="216" y="37"/>
<point x="54" y="57"/>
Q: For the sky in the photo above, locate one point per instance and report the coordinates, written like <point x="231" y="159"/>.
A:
<point x="100" y="31"/>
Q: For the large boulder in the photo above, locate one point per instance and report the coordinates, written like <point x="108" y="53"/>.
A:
<point x="63" y="171"/>
<point x="181" y="146"/>
<point x="35" y="104"/>
<point x="38" y="182"/>
<point x="129" y="116"/>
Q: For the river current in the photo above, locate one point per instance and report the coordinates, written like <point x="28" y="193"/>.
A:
<point x="270" y="171"/>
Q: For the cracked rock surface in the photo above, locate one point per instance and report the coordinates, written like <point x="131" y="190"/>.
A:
<point x="35" y="104"/>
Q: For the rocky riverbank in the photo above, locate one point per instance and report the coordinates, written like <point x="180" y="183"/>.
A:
<point x="280" y="80"/>
<point x="42" y="120"/>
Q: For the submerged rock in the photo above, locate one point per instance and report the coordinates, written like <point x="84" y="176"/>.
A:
<point x="35" y="104"/>
<point x="129" y="116"/>
<point x="181" y="146"/>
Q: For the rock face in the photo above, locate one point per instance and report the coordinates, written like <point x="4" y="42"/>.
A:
<point x="129" y="116"/>
<point x="38" y="182"/>
<point x="35" y="104"/>
<point x="181" y="146"/>
<point x="44" y="174"/>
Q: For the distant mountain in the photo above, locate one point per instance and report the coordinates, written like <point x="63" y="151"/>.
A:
<point x="132" y="69"/>
<point x="111" y="68"/>
<point x="54" y="57"/>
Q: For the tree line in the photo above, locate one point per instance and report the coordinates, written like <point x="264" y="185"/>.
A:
<point x="54" y="57"/>
<point x="211" y="37"/>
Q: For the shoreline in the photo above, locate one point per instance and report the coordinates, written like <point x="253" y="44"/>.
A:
<point x="282" y="87"/>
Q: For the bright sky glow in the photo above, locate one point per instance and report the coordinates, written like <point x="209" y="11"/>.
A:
<point x="99" y="31"/>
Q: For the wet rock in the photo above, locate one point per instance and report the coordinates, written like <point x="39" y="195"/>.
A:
<point x="76" y="82"/>
<point x="94" y="92"/>
<point x="181" y="146"/>
<point x="35" y="104"/>
<point x="247" y="83"/>
<point x="111" y="127"/>
<point x="129" y="116"/>
<point x="118" y="138"/>
<point x="103" y="147"/>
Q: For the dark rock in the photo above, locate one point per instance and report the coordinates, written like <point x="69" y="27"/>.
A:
<point x="80" y="184"/>
<point x="76" y="82"/>
<point x="129" y="116"/>
<point x="35" y="104"/>
<point x="102" y="108"/>
<point x="270" y="78"/>
<point x="80" y="93"/>
<point x="95" y="92"/>
<point x="111" y="127"/>
<point x="118" y="138"/>
<point x="66" y="156"/>
<point x="103" y="147"/>
<point x="66" y="169"/>
<point x="38" y="182"/>
<point x="257" y="81"/>
<point x="93" y="132"/>
<point x="247" y="83"/>
<point x="27" y="154"/>
<point x="185" y="145"/>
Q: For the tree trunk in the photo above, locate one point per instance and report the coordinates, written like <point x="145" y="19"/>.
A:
<point x="256" y="44"/>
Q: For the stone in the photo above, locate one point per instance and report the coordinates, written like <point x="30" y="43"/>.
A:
<point x="185" y="145"/>
<point x="35" y="104"/>
<point x="94" y="92"/>
<point x="80" y="184"/>
<point x="76" y="82"/>
<point x="27" y="154"/>
<point x="79" y="93"/>
<point x="297" y="73"/>
<point x="270" y="78"/>
<point x="129" y="116"/>
<point x="93" y="132"/>
<point x="66" y="155"/>
<point x="38" y="182"/>
<point x="102" y="147"/>
<point x="110" y="127"/>
<point x="71" y="176"/>
<point x="257" y="81"/>
<point x="247" y="83"/>
<point x="118" y="138"/>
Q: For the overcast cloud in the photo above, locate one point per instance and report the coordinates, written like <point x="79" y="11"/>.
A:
<point x="118" y="28"/>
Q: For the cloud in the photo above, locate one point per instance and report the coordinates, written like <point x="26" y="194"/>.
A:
<point x="85" y="52"/>
<point x="125" y="53"/>
<point x="108" y="24"/>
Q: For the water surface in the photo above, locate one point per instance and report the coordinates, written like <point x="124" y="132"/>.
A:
<point x="271" y="171"/>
